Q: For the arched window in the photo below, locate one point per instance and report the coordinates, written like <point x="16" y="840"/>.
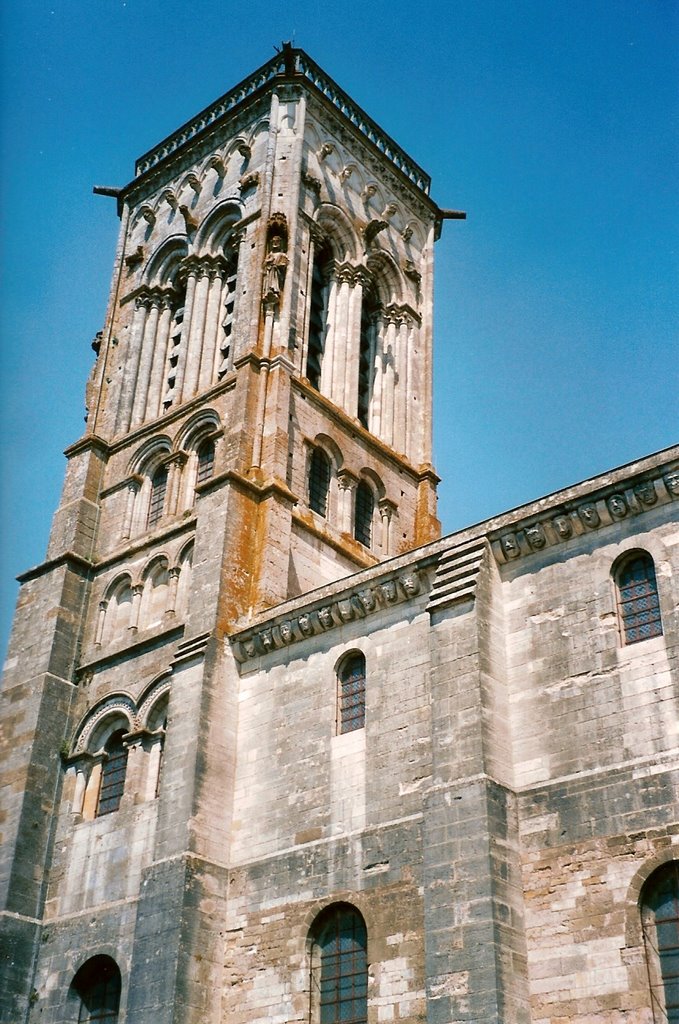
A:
<point x="351" y="693"/>
<point x="319" y="481"/>
<point x="638" y="604"/>
<point x="317" y="316"/>
<point x="660" y="923"/>
<point x="206" y="460"/>
<point x="363" y="513"/>
<point x="157" y="499"/>
<point x="113" y="772"/>
<point x="97" y="986"/>
<point x="339" y="967"/>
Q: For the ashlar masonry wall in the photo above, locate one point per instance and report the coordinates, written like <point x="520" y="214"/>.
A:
<point x="595" y="727"/>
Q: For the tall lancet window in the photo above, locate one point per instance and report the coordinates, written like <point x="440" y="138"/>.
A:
<point x="366" y="355"/>
<point x="318" y="316"/>
<point x="229" y="302"/>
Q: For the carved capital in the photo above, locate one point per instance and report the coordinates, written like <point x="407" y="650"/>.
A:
<point x="346" y="480"/>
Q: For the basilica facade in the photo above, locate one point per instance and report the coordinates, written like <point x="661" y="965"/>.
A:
<point x="274" y="749"/>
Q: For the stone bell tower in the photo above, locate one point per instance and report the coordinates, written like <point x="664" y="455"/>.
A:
<point x="259" y="424"/>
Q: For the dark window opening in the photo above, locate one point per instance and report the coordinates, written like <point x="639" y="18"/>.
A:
<point x="317" y="318"/>
<point x="363" y="513"/>
<point x="366" y="356"/>
<point x="351" y="696"/>
<point x="660" y="922"/>
<point x="97" y="983"/>
<point x="113" y="772"/>
<point x="206" y="460"/>
<point x="638" y="599"/>
<point x="157" y="501"/>
<point x="340" y="968"/>
<point x="319" y="481"/>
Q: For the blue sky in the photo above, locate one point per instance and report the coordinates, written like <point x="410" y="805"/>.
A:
<point x="555" y="125"/>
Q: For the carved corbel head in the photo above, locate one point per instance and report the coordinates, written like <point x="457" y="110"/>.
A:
<point x="170" y="198"/>
<point x="326" y="149"/>
<point x="189" y="220"/>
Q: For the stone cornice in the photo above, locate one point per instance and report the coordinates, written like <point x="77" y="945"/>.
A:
<point x="296" y="67"/>
<point x="457" y="558"/>
<point x="162" y="422"/>
<point x="148" y="540"/>
<point x="321" y="616"/>
<point x="89" y="442"/>
<point x="135" y="645"/>
<point x="581" y="512"/>
<point x="70" y="559"/>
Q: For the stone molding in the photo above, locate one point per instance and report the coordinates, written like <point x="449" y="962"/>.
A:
<point x="120" y="703"/>
<point x="192" y="649"/>
<point x="289" y="64"/>
<point x="622" y="500"/>
<point x="331" y="614"/>
<point x="457" y="575"/>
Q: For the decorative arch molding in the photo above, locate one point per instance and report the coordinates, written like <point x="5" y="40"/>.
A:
<point x="374" y="481"/>
<point x="157" y="691"/>
<point x="120" y="581"/>
<point x="205" y="422"/>
<point x="94" y="729"/>
<point x="213" y="234"/>
<point x="339" y="232"/>
<point x="159" y="561"/>
<point x="150" y="455"/>
<point x="357" y="901"/>
<point x="331" y="447"/>
<point x="386" y="277"/>
<point x="633" y="930"/>
<point x="163" y="265"/>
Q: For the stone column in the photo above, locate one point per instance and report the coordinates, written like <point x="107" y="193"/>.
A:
<point x="401" y="384"/>
<point x="160" y="354"/>
<point x="175" y="465"/>
<point x="353" y="342"/>
<point x="337" y="337"/>
<point x="146" y="359"/>
<point x="173" y="583"/>
<point x="180" y="370"/>
<point x="101" y="619"/>
<point x="387" y="509"/>
<point x="133" y="488"/>
<point x="137" y="591"/>
<point x="132" y="363"/>
<point x="212" y="327"/>
<point x="194" y="332"/>
<point x="347" y="484"/>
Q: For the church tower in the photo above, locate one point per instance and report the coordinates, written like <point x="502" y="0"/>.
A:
<point x="258" y="425"/>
